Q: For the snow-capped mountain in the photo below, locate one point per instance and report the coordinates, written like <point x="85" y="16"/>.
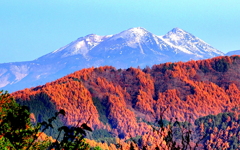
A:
<point x="190" y="44"/>
<point x="130" y="48"/>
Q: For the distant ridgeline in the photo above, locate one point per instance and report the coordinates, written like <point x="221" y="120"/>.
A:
<point x="131" y="48"/>
<point x="126" y="103"/>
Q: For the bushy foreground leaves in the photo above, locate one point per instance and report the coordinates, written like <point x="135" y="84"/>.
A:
<point x="16" y="131"/>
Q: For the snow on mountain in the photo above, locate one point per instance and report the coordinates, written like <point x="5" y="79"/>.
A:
<point x="4" y="76"/>
<point x="190" y="44"/>
<point x="133" y="37"/>
<point x="130" y="48"/>
<point x="81" y="46"/>
<point x="19" y="72"/>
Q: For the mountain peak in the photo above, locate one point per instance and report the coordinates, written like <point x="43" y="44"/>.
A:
<point x="93" y="38"/>
<point x="176" y="30"/>
<point x="91" y="35"/>
<point x="177" y="35"/>
<point x="189" y="43"/>
<point x="137" y="31"/>
<point x="132" y="47"/>
<point x="136" y="34"/>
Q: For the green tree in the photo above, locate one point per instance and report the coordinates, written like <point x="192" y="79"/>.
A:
<point x="221" y="65"/>
<point x="16" y="131"/>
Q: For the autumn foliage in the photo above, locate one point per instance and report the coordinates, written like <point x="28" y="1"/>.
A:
<point x="130" y="98"/>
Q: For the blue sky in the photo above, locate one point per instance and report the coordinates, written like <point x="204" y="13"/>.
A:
<point x="32" y="28"/>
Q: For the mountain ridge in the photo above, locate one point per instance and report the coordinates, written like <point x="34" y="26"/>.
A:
<point x="130" y="48"/>
<point x="235" y="52"/>
<point x="122" y="99"/>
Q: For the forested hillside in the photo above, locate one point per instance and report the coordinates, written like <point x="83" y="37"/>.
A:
<point x="125" y="102"/>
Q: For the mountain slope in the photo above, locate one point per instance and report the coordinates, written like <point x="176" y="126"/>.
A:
<point x="190" y="44"/>
<point x="133" y="47"/>
<point x="123" y="102"/>
<point x="236" y="52"/>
